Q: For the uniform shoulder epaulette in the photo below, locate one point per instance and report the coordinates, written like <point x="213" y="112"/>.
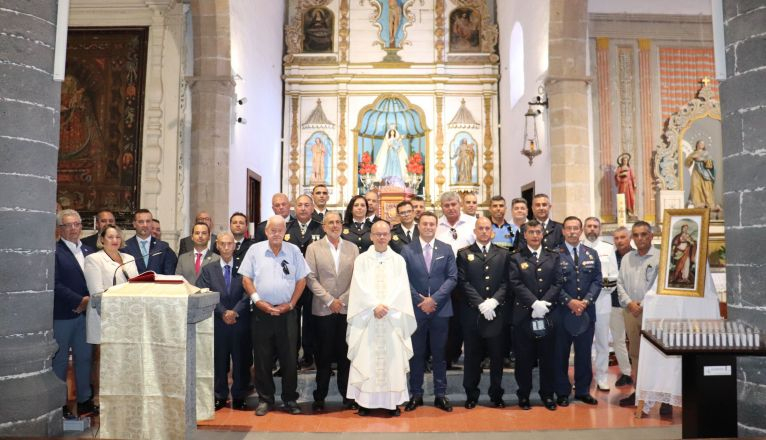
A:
<point x="515" y="251"/>
<point x="464" y="248"/>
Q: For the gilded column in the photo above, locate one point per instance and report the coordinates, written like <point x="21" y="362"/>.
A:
<point x="605" y="131"/>
<point x="342" y="166"/>
<point x="294" y="154"/>
<point x="645" y="93"/>
<point x="488" y="165"/>
<point x="439" y="31"/>
<point x="439" y="143"/>
<point x="343" y="31"/>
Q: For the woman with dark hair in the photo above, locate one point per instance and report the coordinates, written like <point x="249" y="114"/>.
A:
<point x="356" y="227"/>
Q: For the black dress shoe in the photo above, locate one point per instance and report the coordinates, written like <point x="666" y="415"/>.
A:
<point x="470" y="404"/>
<point x="220" y="403"/>
<point x="666" y="410"/>
<point x="395" y="412"/>
<point x="628" y="401"/>
<point x="67" y="413"/>
<point x="499" y="403"/>
<point x="363" y="411"/>
<point x="317" y="406"/>
<point x="239" y="404"/>
<point x="624" y="380"/>
<point x="443" y="404"/>
<point x="87" y="408"/>
<point x="549" y="404"/>
<point x="563" y="401"/>
<point x="262" y="409"/>
<point x="292" y="407"/>
<point x="278" y="373"/>
<point x="587" y="398"/>
<point x="524" y="403"/>
<point x="306" y="363"/>
<point x="413" y="403"/>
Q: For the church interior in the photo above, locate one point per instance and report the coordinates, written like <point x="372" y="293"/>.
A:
<point x="616" y="109"/>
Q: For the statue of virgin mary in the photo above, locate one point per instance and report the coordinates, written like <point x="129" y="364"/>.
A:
<point x="391" y="160"/>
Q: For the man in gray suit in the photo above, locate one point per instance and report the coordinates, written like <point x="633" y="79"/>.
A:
<point x="190" y="263"/>
<point x="332" y="263"/>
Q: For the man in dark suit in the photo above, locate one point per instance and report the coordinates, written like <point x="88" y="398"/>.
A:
<point x="373" y="201"/>
<point x="302" y="231"/>
<point x="103" y="218"/>
<point x="280" y="204"/>
<point x="238" y="228"/>
<point x="231" y="320"/>
<point x="535" y="281"/>
<point x="519" y="213"/>
<point x="187" y="243"/>
<point x="407" y="230"/>
<point x="150" y="253"/>
<point x="70" y="299"/>
<point x="575" y="317"/>
<point x="481" y="270"/>
<point x="553" y="235"/>
<point x="433" y="275"/>
<point x="320" y="194"/>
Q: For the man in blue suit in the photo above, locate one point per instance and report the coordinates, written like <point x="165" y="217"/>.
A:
<point x="575" y="317"/>
<point x="150" y="253"/>
<point x="231" y="321"/>
<point x="70" y="299"/>
<point x="432" y="272"/>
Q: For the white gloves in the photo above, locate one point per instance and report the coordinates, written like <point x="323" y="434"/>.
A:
<point x="540" y="308"/>
<point x="487" y="308"/>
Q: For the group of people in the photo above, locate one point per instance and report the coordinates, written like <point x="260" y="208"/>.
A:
<point x="383" y="304"/>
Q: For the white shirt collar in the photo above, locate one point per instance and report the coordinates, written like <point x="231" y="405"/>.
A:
<point x="538" y="251"/>
<point x="230" y="263"/>
<point x="424" y="243"/>
<point x="74" y="247"/>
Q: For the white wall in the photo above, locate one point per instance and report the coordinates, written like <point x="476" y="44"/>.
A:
<point x="682" y="7"/>
<point x="256" y="56"/>
<point x="514" y="168"/>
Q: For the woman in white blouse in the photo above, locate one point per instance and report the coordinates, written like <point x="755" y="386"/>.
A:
<point x="103" y="270"/>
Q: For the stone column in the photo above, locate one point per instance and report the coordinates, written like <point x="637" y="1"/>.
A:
<point x="32" y="396"/>
<point x="212" y="96"/>
<point x="567" y="90"/>
<point x="743" y="113"/>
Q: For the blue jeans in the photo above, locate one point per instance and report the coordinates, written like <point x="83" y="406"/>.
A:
<point x="71" y="333"/>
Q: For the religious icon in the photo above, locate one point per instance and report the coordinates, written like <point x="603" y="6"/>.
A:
<point x="464" y="30"/>
<point x="318" y="152"/>
<point x="684" y="252"/>
<point x="390" y="22"/>
<point x="626" y="182"/>
<point x="701" y="193"/>
<point x="464" y="159"/>
<point x="317" y="30"/>
<point x="391" y="160"/>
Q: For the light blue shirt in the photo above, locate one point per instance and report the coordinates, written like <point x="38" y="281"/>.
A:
<point x="267" y="271"/>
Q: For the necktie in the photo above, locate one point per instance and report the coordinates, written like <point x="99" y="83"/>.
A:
<point x="197" y="262"/>
<point x="239" y="243"/>
<point x="534" y="255"/>
<point x="303" y="228"/>
<point x="145" y="252"/>
<point x="227" y="277"/>
<point x="409" y="236"/>
<point x="427" y="256"/>
<point x="320" y="216"/>
<point x="484" y="250"/>
<point x="576" y="260"/>
<point x="358" y="225"/>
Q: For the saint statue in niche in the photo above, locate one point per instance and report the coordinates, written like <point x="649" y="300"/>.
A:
<point x="683" y="253"/>
<point x="394" y="18"/>
<point x="317" y="30"/>
<point x="464" y="157"/>
<point x="464" y="30"/>
<point x="701" y="194"/>
<point x="626" y="182"/>
<point x="318" y="159"/>
<point x="391" y="160"/>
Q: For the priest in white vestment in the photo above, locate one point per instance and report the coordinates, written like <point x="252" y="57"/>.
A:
<point x="380" y="323"/>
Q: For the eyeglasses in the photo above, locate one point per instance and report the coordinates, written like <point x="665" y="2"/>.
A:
<point x="285" y="270"/>
<point x="381" y="234"/>
<point x="403" y="213"/>
<point x="454" y="233"/>
<point x="72" y="225"/>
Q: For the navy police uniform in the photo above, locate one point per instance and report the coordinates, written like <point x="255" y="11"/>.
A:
<point x="533" y="278"/>
<point x="482" y="276"/>
<point x="399" y="238"/>
<point x="582" y="281"/>
<point x="358" y="234"/>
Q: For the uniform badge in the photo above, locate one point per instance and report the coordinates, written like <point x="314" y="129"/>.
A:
<point x="470" y="257"/>
<point x="346" y="231"/>
<point x="396" y="238"/>
<point x="287" y="237"/>
<point x="524" y="265"/>
<point x="590" y="256"/>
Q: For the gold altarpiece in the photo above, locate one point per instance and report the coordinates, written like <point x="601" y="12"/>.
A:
<point x="396" y="95"/>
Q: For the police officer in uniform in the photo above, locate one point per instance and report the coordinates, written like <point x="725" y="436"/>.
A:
<point x="481" y="269"/>
<point x="575" y="317"/>
<point x="407" y="230"/>
<point x="302" y="231"/>
<point x="535" y="281"/>
<point x="356" y="227"/>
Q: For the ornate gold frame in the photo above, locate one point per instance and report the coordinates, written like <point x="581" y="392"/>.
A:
<point x="670" y="216"/>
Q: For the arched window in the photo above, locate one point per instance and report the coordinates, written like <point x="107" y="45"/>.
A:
<point x="516" y="64"/>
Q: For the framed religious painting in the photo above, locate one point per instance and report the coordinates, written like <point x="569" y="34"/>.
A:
<point x="683" y="259"/>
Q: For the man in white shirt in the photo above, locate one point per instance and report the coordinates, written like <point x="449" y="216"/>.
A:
<point x="470" y="204"/>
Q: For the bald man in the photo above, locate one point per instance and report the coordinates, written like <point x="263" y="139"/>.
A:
<point x="280" y="204"/>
